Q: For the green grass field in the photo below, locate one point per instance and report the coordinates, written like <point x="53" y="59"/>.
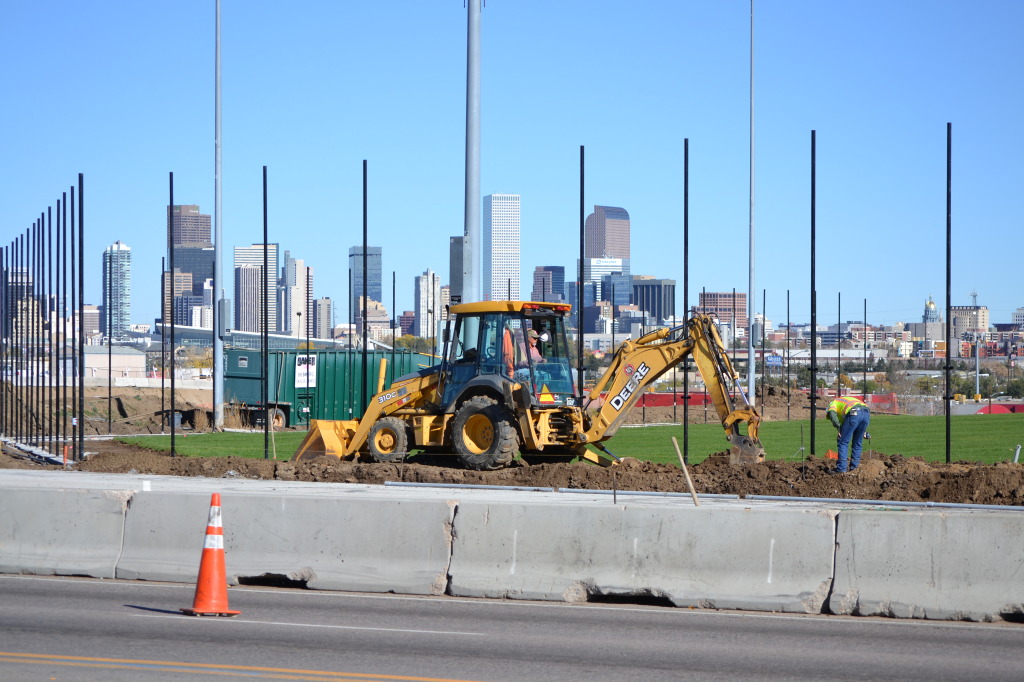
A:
<point x="977" y="438"/>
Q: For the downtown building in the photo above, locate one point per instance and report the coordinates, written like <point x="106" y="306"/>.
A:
<point x="295" y="298"/>
<point x="252" y="256"/>
<point x="369" y="284"/>
<point x="117" y="290"/>
<point x="500" y="239"/>
<point x="428" y="304"/>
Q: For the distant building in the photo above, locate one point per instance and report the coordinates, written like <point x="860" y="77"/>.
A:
<point x="548" y="283"/>
<point x="117" y="289"/>
<point x="655" y="296"/>
<point x="323" y="316"/>
<point x="606" y="234"/>
<point x="249" y="298"/>
<point x="501" y="247"/>
<point x="407" y="321"/>
<point x="253" y="255"/>
<point x="428" y="302"/>
<point x="729" y="308"/>
<point x="188" y="226"/>
<point x="373" y="288"/>
<point x="295" y="297"/>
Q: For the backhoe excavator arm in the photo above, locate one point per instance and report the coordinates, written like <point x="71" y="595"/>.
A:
<point x="637" y="364"/>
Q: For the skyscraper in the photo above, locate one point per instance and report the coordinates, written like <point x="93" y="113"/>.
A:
<point x="548" y="283"/>
<point x="374" y="289"/>
<point x="249" y="298"/>
<point x="117" y="289"/>
<point x="188" y="226"/>
<point x="323" y="318"/>
<point x="428" y="302"/>
<point x="253" y="255"/>
<point x="501" y="247"/>
<point x="656" y="297"/>
<point x="295" y="294"/>
<point x="606" y="234"/>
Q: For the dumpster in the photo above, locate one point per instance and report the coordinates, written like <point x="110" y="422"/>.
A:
<point x="311" y="384"/>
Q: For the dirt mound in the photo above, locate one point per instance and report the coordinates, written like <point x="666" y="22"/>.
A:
<point x="881" y="477"/>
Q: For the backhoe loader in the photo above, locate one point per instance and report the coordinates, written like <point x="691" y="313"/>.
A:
<point x="505" y="386"/>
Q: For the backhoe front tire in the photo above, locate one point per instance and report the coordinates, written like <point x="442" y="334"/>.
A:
<point x="388" y="440"/>
<point x="484" y="434"/>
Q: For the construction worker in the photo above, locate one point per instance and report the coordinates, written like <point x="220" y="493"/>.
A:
<point x="851" y="417"/>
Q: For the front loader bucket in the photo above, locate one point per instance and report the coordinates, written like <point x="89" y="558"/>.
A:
<point x="326" y="437"/>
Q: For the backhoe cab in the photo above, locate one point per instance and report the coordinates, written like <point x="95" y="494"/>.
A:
<point x="505" y="386"/>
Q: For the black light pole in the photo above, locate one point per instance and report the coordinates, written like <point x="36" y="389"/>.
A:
<point x="81" y="314"/>
<point x="579" y="283"/>
<point x="839" y="344"/>
<point x="265" y="331"/>
<point x="949" y="269"/>
<point x="365" y="392"/>
<point x="814" y="300"/>
<point x="686" y="295"/>
<point x="163" y="336"/>
<point x="170" y="309"/>
<point x="110" y="340"/>
<point x="309" y="349"/>
<point x="76" y="359"/>
<point x="788" y="387"/>
<point x="865" y="341"/>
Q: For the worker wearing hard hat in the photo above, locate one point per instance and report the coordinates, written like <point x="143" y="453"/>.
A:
<point x="851" y="417"/>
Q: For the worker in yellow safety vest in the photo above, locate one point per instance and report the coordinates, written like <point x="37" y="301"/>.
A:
<point x="851" y="418"/>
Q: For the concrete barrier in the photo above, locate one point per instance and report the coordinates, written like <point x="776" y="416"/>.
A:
<point x="777" y="560"/>
<point x="929" y="564"/>
<point x="340" y="543"/>
<point x="61" y="532"/>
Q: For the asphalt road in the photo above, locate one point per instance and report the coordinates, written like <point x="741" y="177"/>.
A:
<point x="85" y="629"/>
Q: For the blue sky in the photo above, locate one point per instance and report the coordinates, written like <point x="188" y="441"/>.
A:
<point x="124" y="93"/>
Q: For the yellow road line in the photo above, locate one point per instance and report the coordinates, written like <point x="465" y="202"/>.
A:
<point x="208" y="668"/>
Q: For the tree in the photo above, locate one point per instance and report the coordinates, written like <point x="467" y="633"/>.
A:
<point x="414" y="343"/>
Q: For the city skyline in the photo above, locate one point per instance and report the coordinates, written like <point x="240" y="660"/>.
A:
<point x="877" y="93"/>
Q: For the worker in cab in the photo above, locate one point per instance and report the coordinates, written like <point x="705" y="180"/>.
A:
<point x="851" y="418"/>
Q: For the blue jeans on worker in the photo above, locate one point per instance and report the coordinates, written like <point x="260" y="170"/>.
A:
<point x="855" y="425"/>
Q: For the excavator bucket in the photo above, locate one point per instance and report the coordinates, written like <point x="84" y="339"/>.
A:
<point x="326" y="437"/>
<point x="745" y="450"/>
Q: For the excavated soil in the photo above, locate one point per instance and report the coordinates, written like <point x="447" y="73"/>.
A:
<point x="880" y="476"/>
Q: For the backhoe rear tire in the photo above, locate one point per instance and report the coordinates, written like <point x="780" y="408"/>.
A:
<point x="484" y="434"/>
<point x="388" y="440"/>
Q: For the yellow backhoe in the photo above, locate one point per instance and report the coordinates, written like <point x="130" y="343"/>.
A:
<point x="505" y="387"/>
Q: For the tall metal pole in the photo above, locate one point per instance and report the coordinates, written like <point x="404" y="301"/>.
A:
<point x="471" y="241"/>
<point x="76" y="359"/>
<point x="81" y="315"/>
<point x="170" y="310"/>
<point x="686" y="295"/>
<point x="839" y="343"/>
<point x="579" y="282"/>
<point x="788" y="387"/>
<point x="63" y="317"/>
<point x="218" y="287"/>
<point x="110" y="339"/>
<point x="814" y="301"/>
<point x="165" y="287"/>
<point x="949" y="268"/>
<point x="365" y="392"/>
<point x="751" y="365"/>
<point x="264" y="332"/>
<point x="865" y="342"/>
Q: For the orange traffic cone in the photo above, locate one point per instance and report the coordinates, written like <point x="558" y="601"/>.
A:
<point x="212" y="586"/>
